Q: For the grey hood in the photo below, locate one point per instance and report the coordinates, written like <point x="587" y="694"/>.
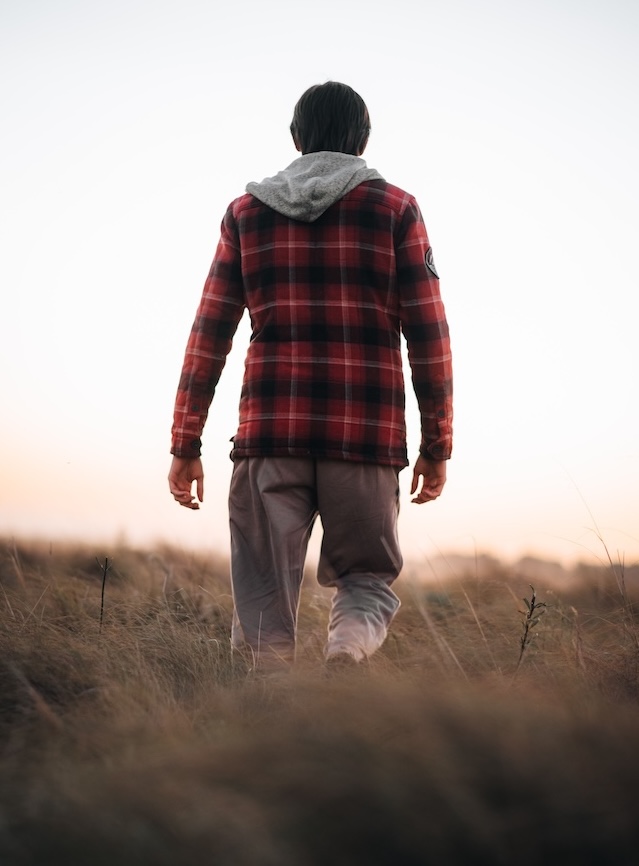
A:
<point x="312" y="183"/>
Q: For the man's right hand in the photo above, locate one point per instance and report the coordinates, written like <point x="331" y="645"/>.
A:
<point x="184" y="471"/>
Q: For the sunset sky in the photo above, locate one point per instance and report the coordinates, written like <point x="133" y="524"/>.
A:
<point x="129" y="125"/>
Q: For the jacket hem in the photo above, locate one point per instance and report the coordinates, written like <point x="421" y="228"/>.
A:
<point x="398" y="460"/>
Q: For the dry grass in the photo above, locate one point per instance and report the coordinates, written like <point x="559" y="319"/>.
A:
<point x="148" y="742"/>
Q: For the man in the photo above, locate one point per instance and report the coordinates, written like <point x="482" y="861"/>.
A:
<point x="333" y="264"/>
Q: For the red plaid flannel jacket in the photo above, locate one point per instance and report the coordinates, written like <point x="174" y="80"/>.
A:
<point x="328" y="301"/>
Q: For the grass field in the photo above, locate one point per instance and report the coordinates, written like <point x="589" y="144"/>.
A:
<point x="129" y="733"/>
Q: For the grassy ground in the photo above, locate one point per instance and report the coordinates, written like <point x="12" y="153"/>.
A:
<point x="467" y="740"/>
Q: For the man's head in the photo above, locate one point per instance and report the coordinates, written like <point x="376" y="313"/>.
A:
<point x="331" y="116"/>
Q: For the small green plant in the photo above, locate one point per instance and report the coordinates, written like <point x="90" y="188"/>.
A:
<point x="533" y="613"/>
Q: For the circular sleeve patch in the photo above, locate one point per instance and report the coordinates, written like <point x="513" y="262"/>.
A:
<point x="430" y="263"/>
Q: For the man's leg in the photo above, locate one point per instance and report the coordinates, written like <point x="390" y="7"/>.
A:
<point x="272" y="508"/>
<point x="358" y="504"/>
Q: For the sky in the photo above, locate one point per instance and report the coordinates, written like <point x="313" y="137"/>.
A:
<point x="127" y="128"/>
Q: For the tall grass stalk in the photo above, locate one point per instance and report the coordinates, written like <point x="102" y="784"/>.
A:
<point x="105" y="570"/>
<point x="531" y="616"/>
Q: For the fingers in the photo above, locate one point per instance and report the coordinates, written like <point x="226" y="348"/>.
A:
<point x="183" y="495"/>
<point x="427" y="494"/>
<point x="433" y="477"/>
<point x="181" y="477"/>
<point x="190" y="503"/>
<point x="185" y="498"/>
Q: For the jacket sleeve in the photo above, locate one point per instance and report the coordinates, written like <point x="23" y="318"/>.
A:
<point x="425" y="328"/>
<point x="209" y="343"/>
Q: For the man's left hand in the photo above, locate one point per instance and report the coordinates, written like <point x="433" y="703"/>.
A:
<point x="433" y="475"/>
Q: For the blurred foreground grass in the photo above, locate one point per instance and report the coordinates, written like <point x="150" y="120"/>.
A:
<point x="148" y="742"/>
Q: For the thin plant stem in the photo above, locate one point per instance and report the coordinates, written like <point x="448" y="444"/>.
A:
<point x="104" y="568"/>
<point x="534" y="611"/>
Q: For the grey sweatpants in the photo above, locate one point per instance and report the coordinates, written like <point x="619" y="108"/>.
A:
<point x="273" y="504"/>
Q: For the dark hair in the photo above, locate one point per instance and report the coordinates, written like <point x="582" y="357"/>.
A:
<point x="331" y="116"/>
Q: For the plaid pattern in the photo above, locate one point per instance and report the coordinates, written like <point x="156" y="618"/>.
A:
<point x="328" y="301"/>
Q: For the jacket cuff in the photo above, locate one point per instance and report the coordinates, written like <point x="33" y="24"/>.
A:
<point x="187" y="449"/>
<point x="436" y="451"/>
